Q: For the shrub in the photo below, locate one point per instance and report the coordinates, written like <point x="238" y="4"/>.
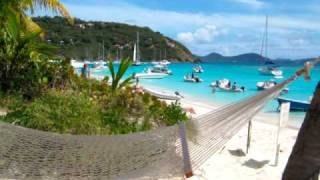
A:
<point x="62" y="112"/>
<point x="173" y="114"/>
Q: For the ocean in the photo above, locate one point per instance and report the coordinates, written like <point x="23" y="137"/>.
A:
<point x="243" y="75"/>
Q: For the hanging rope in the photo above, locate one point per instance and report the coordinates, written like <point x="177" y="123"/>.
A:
<point x="161" y="153"/>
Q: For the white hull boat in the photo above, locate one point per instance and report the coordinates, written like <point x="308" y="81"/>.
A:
<point x="164" y="62"/>
<point x="265" y="85"/>
<point x="225" y="85"/>
<point x="160" y="69"/>
<point x="150" y="75"/>
<point x="192" y="80"/>
<point x="198" y="69"/>
<point x="270" y="71"/>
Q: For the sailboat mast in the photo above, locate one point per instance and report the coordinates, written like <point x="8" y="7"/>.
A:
<point x="103" y="55"/>
<point x="165" y="53"/>
<point x="266" y="48"/>
<point x="135" y="53"/>
<point x="264" y="44"/>
<point x="138" y="49"/>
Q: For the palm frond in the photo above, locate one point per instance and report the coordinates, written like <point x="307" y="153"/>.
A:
<point x="52" y="5"/>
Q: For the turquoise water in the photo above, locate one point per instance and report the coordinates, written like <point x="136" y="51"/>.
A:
<point x="244" y="75"/>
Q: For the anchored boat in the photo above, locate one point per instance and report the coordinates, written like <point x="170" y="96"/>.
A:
<point x="269" y="68"/>
<point x="148" y="74"/>
<point x="295" y="105"/>
<point x="160" y="69"/>
<point x="225" y="85"/>
<point x="192" y="78"/>
<point x="198" y="69"/>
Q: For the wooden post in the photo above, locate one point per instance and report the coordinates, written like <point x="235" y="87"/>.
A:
<point x="249" y="136"/>
<point x="185" y="151"/>
<point x="283" y="119"/>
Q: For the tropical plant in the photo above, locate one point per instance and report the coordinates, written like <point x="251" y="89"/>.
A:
<point x="60" y="111"/>
<point x="173" y="113"/>
<point x="22" y="57"/>
<point x="19" y="8"/>
<point x="116" y="77"/>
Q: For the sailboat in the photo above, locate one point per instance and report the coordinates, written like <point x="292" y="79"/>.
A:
<point x="136" y="53"/>
<point x="269" y="69"/>
<point x="165" y="62"/>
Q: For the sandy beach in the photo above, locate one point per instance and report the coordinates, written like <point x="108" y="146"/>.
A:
<point x="259" y="164"/>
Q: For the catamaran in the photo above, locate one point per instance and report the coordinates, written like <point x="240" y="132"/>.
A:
<point x="269" y="69"/>
<point x="136" y="53"/>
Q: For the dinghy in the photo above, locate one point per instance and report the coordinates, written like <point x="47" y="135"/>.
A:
<point x="148" y="74"/>
<point x="225" y="85"/>
<point x="197" y="69"/>
<point x="269" y="84"/>
<point x="295" y="105"/>
<point x="265" y="85"/>
<point x="192" y="79"/>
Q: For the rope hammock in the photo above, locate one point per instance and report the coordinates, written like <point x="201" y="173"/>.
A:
<point x="162" y="153"/>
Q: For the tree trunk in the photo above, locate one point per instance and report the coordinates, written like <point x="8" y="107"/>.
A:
<point x="304" y="161"/>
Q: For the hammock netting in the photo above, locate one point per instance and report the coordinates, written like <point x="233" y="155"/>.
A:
<point x="163" y="153"/>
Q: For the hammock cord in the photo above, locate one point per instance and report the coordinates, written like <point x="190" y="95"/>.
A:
<point x="33" y="154"/>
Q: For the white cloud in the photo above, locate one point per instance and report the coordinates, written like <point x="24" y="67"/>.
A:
<point x="204" y="34"/>
<point x="198" y="30"/>
<point x="252" y="3"/>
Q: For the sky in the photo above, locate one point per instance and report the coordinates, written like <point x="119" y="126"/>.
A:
<point x="228" y="27"/>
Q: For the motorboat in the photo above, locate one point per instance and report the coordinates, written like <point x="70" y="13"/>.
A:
<point x="295" y="105"/>
<point x="197" y="69"/>
<point x="160" y="69"/>
<point x="192" y="79"/>
<point x="265" y="85"/>
<point x="222" y="82"/>
<point x="225" y="85"/>
<point x="148" y="74"/>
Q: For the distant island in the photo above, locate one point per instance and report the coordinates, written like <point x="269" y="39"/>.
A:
<point x="84" y="40"/>
<point x="248" y="59"/>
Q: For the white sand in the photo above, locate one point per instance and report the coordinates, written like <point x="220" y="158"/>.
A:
<point x="259" y="163"/>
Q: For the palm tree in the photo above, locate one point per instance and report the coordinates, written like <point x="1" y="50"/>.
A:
<point x="22" y="54"/>
<point x="304" y="161"/>
<point x="117" y="76"/>
<point x="20" y="8"/>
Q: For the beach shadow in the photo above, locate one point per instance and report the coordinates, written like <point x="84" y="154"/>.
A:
<point x="251" y="163"/>
<point x="237" y="152"/>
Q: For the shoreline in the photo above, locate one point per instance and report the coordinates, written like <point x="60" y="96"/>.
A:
<point x="202" y="107"/>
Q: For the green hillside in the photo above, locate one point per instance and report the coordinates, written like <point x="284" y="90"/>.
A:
<point x="84" y="40"/>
